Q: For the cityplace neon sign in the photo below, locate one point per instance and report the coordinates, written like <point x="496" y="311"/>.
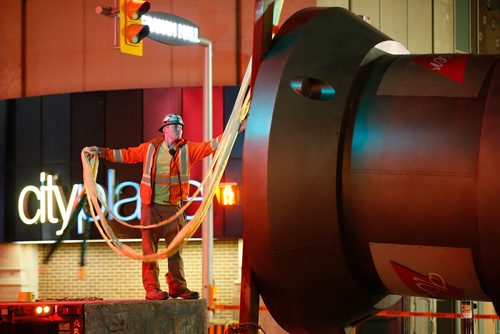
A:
<point x="54" y="208"/>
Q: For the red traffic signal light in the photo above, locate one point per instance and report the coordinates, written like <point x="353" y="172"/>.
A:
<point x="132" y="31"/>
<point x="136" y="32"/>
<point x="135" y="9"/>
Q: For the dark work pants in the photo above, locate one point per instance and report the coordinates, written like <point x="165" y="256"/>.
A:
<point x="153" y="214"/>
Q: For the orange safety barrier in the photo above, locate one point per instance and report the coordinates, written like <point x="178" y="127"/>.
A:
<point x="217" y="328"/>
<point x="235" y="307"/>
<point x="392" y="313"/>
<point x="433" y="315"/>
<point x="487" y="316"/>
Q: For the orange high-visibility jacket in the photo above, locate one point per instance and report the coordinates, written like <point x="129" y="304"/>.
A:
<point x="187" y="154"/>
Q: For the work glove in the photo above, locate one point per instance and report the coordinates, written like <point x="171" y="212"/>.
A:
<point x="95" y="150"/>
<point x="243" y="125"/>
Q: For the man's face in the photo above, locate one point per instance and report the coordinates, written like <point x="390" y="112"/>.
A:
<point x="173" y="132"/>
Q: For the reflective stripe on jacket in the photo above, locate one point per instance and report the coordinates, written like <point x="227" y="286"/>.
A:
<point x="187" y="154"/>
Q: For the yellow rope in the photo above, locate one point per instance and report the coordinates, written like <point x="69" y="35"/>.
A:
<point x="90" y="163"/>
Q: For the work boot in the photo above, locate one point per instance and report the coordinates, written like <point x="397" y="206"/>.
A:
<point x="185" y="294"/>
<point x="156" y="294"/>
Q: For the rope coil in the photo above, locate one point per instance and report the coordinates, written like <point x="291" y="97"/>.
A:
<point x="90" y="163"/>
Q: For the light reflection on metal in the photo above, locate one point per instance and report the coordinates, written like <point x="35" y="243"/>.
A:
<point x="312" y="88"/>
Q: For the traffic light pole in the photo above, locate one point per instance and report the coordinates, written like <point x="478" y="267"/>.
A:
<point x="164" y="28"/>
<point x="208" y="222"/>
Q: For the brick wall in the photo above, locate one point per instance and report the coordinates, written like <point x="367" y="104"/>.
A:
<point x="112" y="276"/>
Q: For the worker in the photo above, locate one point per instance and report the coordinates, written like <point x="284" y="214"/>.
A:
<point x="166" y="161"/>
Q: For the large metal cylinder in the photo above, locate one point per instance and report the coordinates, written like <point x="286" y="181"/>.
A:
<point x="369" y="174"/>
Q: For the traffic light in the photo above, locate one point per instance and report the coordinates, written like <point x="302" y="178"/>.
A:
<point x="228" y="194"/>
<point x="132" y="31"/>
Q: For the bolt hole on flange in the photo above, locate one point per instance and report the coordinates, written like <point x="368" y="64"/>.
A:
<point x="312" y="88"/>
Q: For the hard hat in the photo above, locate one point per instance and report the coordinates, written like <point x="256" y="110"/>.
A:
<point x="171" y="119"/>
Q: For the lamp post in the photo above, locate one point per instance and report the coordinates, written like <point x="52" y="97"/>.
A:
<point x="208" y="222"/>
